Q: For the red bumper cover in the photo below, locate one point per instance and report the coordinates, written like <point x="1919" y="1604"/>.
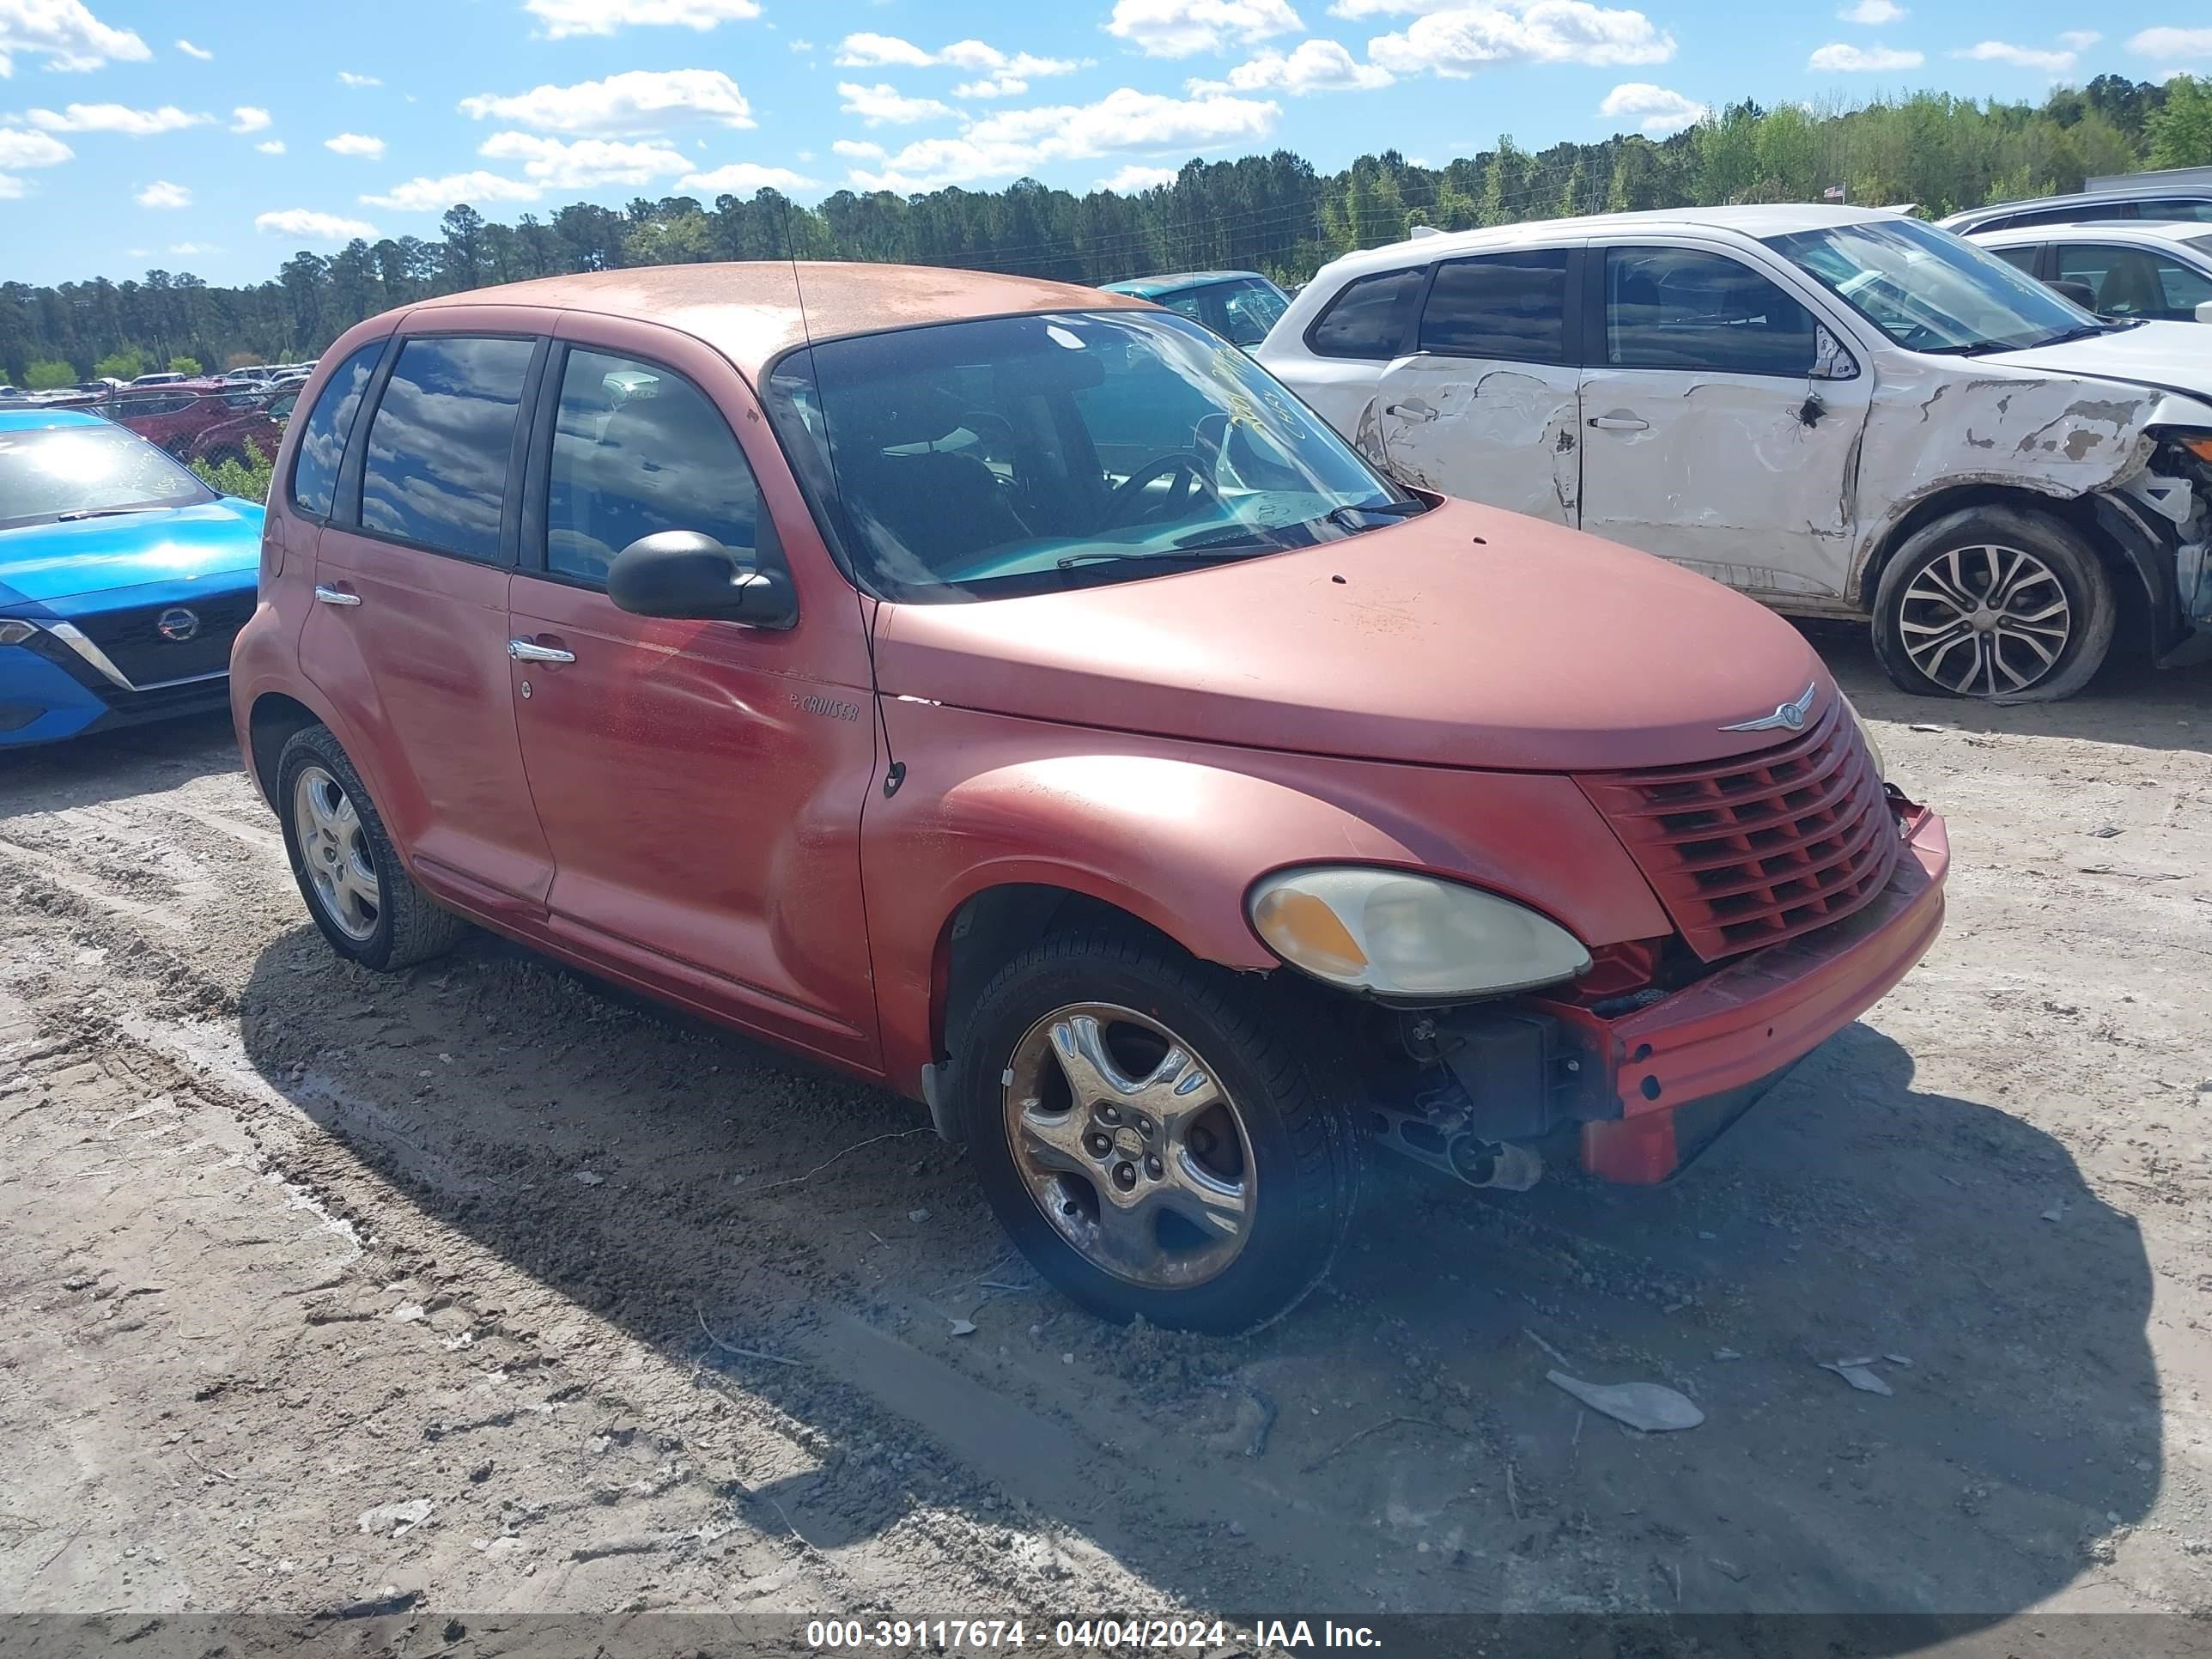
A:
<point x="1718" y="1040"/>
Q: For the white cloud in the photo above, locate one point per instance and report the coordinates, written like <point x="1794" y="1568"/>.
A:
<point x="1856" y="60"/>
<point x="2004" y="51"/>
<point x="1314" y="66"/>
<point x="742" y="178"/>
<point x="18" y="149"/>
<point x="1016" y="141"/>
<point x="977" y="57"/>
<point x="564" y="18"/>
<point x="310" y="226"/>
<point x="1458" y="42"/>
<point x="1381" y="7"/>
<point x="582" y="163"/>
<point x="1003" y="86"/>
<point x="1182" y="29"/>
<point x="1873" y="13"/>
<point x="11" y="187"/>
<point x="1136" y="178"/>
<point x="872" y="50"/>
<point x="2173" y="43"/>
<point x="114" y="117"/>
<point x="637" y="100"/>
<point x="435" y="195"/>
<point x="191" y="50"/>
<point x="270" y="147"/>
<point x="2079" y="40"/>
<point x="193" y="247"/>
<point x="800" y="43"/>
<point x="65" y="34"/>
<point x="882" y="104"/>
<point x="163" y="194"/>
<point x="348" y="78"/>
<point x="248" y="119"/>
<point x="859" y="150"/>
<point x="1656" y="111"/>
<point x="356" y="144"/>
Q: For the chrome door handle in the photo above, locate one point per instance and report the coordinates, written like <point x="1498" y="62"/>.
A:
<point x="531" y="651"/>
<point x="1421" y="412"/>
<point x="326" y="594"/>
<point x="1618" y="423"/>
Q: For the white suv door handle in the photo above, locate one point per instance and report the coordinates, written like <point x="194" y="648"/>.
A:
<point x="1421" y="412"/>
<point x="531" y="651"/>
<point x="1618" y="423"/>
<point x="326" y="594"/>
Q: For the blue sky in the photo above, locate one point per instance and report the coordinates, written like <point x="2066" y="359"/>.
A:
<point x="220" y="138"/>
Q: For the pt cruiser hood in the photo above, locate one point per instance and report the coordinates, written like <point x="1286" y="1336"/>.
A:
<point x="1466" y="637"/>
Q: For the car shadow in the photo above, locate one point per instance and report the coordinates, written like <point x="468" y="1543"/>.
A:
<point x="1850" y="1216"/>
<point x="115" y="765"/>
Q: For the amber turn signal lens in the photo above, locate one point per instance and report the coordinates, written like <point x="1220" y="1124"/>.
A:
<point x="1301" y="928"/>
<point x="2200" y="447"/>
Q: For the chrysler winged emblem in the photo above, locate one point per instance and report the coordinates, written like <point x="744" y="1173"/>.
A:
<point x="1789" y="717"/>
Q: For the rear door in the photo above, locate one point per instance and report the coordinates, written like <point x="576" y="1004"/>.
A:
<point x="1487" y="405"/>
<point x="1717" y="434"/>
<point x="700" y="783"/>
<point x="409" y="636"/>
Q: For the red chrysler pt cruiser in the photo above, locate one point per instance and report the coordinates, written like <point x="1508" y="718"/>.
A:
<point x="1008" y="693"/>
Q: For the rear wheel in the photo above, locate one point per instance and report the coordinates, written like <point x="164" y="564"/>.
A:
<point x="1995" y="603"/>
<point x="348" y="872"/>
<point x="1154" y="1142"/>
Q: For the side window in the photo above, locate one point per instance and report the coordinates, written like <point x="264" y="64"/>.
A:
<point x="2199" y="212"/>
<point x="438" y="445"/>
<point x="638" y="449"/>
<point x="1502" y="304"/>
<point x="1248" y="310"/>
<point x="2020" y="258"/>
<point x="280" y="409"/>
<point x="322" y="446"/>
<point x="1367" y="319"/>
<point x="1670" y="308"/>
<point x="2133" y="281"/>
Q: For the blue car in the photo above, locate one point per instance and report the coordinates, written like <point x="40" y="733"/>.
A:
<point x="122" y="579"/>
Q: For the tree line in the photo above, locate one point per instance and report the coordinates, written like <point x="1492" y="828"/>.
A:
<point x="1274" y="213"/>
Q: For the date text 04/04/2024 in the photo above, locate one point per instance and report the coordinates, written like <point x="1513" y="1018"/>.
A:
<point x="1081" y="1635"/>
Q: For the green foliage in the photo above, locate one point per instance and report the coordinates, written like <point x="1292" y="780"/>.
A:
<point x="48" y="375"/>
<point x="2180" y="131"/>
<point x="248" y="479"/>
<point x="1273" y="213"/>
<point x="185" y="366"/>
<point x="126" y="364"/>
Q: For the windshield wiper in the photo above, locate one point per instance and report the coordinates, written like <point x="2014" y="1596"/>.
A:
<point x="101" y="513"/>
<point x="1341" y="515"/>
<point x="1197" y="553"/>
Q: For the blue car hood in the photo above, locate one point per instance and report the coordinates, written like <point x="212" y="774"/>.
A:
<point x="217" y="545"/>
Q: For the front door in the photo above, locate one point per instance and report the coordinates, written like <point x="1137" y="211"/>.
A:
<point x="409" y="637"/>
<point x="700" y="782"/>
<point x="1718" y="430"/>
<point x="1486" y="406"/>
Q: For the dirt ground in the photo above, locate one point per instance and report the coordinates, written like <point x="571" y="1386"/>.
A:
<point x="484" y="1288"/>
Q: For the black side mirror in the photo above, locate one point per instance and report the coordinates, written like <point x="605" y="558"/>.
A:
<point x="688" y="575"/>
<point x="2080" y="292"/>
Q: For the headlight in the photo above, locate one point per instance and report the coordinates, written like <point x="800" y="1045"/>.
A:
<point x="1866" y="736"/>
<point x="1403" y="935"/>
<point x="15" y="633"/>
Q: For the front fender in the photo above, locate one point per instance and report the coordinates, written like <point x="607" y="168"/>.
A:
<point x="1175" y="834"/>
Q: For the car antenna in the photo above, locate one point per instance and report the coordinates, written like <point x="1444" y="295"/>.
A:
<point x="894" y="773"/>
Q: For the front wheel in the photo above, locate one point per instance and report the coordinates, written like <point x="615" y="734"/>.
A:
<point x="1995" y="603"/>
<point x="1154" y="1142"/>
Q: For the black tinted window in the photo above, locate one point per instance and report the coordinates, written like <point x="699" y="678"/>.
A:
<point x="1503" y="305"/>
<point x="1671" y="307"/>
<point x="1366" y="319"/>
<point x="2020" y="258"/>
<point x="637" y="450"/>
<point x="322" y="446"/>
<point x="437" y="447"/>
<point x="2175" y="209"/>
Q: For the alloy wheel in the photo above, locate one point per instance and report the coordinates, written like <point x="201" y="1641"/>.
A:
<point x="1985" y="621"/>
<point x="1130" y="1145"/>
<point x="334" y="849"/>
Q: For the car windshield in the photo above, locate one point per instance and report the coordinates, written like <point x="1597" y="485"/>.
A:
<point x="1017" y="454"/>
<point x="1931" y="291"/>
<point x="64" y="472"/>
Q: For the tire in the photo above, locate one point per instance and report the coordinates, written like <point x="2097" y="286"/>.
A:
<point x="1265" y="1117"/>
<point x="2058" y="602"/>
<point x="351" y="875"/>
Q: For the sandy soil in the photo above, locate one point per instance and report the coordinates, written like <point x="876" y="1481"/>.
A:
<point x="483" y="1288"/>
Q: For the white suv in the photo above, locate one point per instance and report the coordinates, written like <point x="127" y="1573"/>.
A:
<point x="1841" y="412"/>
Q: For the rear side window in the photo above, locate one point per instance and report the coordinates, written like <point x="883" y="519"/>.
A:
<point x="637" y="449"/>
<point x="2021" y="259"/>
<point x="439" y="445"/>
<point x="1368" y="319"/>
<point x="1502" y="304"/>
<point x="2175" y="210"/>
<point x="322" y="446"/>
<point x="1672" y="308"/>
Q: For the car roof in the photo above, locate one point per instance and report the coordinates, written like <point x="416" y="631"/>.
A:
<point x="37" y="417"/>
<point x="2095" y="230"/>
<point x="2080" y="197"/>
<point x="1147" y="287"/>
<point x="752" y="312"/>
